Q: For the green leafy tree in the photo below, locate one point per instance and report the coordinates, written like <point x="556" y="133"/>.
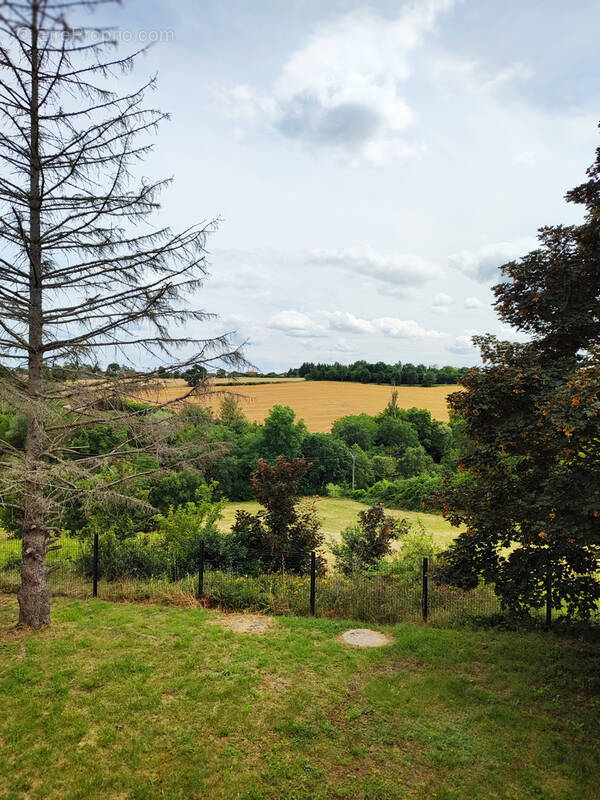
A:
<point x="281" y="435"/>
<point x="430" y="377"/>
<point x="363" y="469"/>
<point x="415" y="461"/>
<point x="383" y="467"/>
<point x="371" y="539"/>
<point x="396" y="434"/>
<point x="231" y="414"/>
<point x="196" y="375"/>
<point x="531" y="503"/>
<point x="360" y="429"/>
<point x="331" y="462"/>
<point x="410" y="376"/>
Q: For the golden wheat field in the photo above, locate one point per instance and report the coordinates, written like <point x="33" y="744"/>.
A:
<point x="318" y="403"/>
<point x="250" y="379"/>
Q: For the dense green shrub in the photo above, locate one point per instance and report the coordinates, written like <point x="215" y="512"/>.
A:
<point x="141" y="556"/>
<point x="416" y="545"/>
<point x="96" y="439"/>
<point x="365" y="543"/>
<point x="174" y="488"/>
<point x="11" y="562"/>
<point x="411" y="493"/>
<point x="13" y="430"/>
<point x="184" y="527"/>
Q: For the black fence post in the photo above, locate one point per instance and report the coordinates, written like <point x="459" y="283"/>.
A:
<point x="313" y="574"/>
<point x="549" y="597"/>
<point x="201" y="571"/>
<point x="425" y="594"/>
<point x="95" y="568"/>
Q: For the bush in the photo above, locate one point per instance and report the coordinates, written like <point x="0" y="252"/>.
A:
<point x="410" y="493"/>
<point x="364" y="544"/>
<point x="141" y="556"/>
<point x="174" y="489"/>
<point x="173" y="551"/>
<point x="12" y="562"/>
<point x="417" y="544"/>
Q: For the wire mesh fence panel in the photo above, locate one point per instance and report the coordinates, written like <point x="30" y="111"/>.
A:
<point x="449" y="603"/>
<point x="67" y="575"/>
<point x="369" y="594"/>
<point x="149" y="569"/>
<point x="10" y="564"/>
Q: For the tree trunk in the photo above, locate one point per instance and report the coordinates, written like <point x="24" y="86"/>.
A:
<point x="34" y="595"/>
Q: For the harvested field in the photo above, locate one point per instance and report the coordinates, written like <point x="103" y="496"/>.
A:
<point x="249" y="379"/>
<point x="318" y="403"/>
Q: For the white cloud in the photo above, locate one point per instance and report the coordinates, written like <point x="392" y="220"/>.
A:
<point x="463" y="344"/>
<point x="344" y="321"/>
<point x="453" y="74"/>
<point x="472" y="302"/>
<point x="295" y="323"/>
<point x="342" y="346"/>
<point x="441" y="303"/>
<point x="341" y="89"/>
<point x="388" y="326"/>
<point x="405" y="329"/>
<point x="483" y="264"/>
<point x="510" y="334"/>
<point x="397" y="269"/>
<point x="242" y="279"/>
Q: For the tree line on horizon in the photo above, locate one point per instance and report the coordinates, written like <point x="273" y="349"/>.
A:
<point x="397" y="374"/>
<point x="361" y="371"/>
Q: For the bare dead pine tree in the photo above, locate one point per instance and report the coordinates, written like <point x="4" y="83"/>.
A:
<point x="82" y="269"/>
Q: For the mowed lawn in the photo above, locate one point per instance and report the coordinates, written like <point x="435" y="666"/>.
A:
<point x="318" y="403"/>
<point x="337" y="513"/>
<point x="142" y="702"/>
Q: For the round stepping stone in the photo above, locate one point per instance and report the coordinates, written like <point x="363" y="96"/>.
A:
<point x="363" y="637"/>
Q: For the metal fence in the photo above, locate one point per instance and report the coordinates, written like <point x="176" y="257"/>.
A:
<point x="296" y="583"/>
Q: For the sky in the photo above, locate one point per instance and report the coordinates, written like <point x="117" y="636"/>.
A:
<point x="371" y="165"/>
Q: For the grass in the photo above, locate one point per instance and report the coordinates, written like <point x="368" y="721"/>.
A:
<point x="143" y="702"/>
<point x="318" y="403"/>
<point x="337" y="513"/>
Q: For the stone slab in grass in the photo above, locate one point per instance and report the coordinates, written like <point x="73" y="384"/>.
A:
<point x="245" y="623"/>
<point x="364" y="637"/>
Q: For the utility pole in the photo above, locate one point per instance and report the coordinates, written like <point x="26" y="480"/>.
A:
<point x="353" y="466"/>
